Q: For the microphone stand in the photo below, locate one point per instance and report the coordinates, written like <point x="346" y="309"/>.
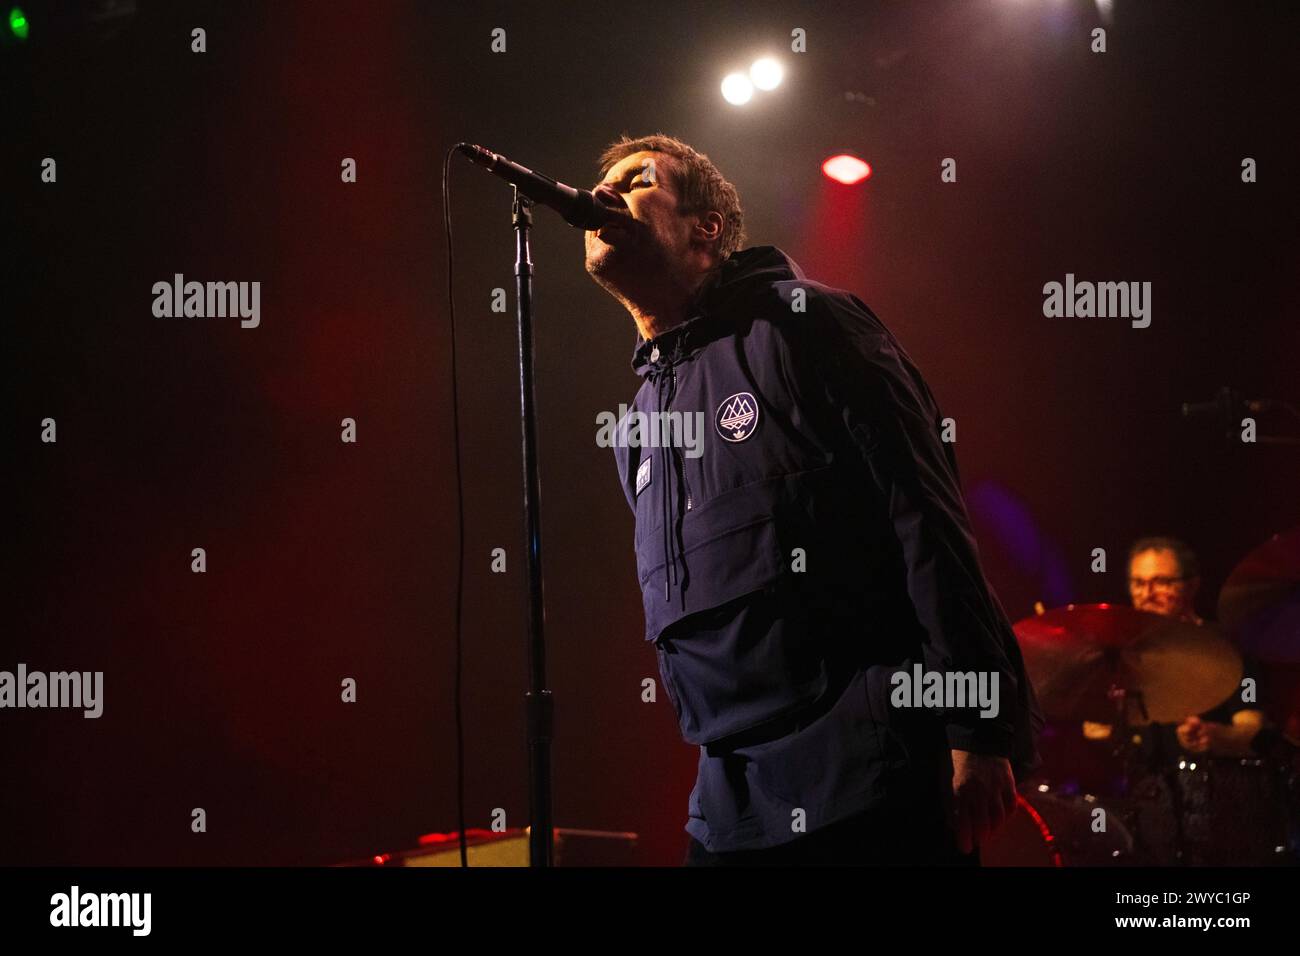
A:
<point x="538" y="702"/>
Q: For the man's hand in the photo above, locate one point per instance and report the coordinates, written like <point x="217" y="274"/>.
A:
<point x="1224" y="740"/>
<point x="1194" y="735"/>
<point x="984" y="795"/>
<point x="1095" y="731"/>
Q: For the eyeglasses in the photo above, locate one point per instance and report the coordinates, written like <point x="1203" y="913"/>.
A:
<point x="1159" y="583"/>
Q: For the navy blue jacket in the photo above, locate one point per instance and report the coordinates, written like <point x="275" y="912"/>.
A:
<point x="817" y="544"/>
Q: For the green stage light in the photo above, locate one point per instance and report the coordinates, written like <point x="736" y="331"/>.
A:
<point x="18" y="23"/>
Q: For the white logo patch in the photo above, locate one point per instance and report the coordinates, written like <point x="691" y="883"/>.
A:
<point x="643" y="475"/>
<point x="737" y="417"/>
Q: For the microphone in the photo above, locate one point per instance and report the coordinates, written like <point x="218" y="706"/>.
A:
<point x="579" y="207"/>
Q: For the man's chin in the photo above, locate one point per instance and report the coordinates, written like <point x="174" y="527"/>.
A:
<point x="606" y="264"/>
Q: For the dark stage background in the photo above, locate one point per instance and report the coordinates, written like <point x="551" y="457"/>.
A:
<point x="329" y="560"/>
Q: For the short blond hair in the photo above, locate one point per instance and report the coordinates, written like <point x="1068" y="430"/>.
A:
<point x="703" y="188"/>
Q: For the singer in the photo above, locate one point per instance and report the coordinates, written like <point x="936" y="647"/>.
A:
<point x="816" y="545"/>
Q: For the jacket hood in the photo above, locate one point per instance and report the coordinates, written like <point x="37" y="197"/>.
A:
<point x="740" y="278"/>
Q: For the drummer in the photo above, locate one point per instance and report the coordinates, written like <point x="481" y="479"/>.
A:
<point x="1163" y="578"/>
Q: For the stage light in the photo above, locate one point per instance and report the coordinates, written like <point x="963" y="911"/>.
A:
<point x="846" y="169"/>
<point x="766" y="73"/>
<point x="18" y="23"/>
<point x="737" y="89"/>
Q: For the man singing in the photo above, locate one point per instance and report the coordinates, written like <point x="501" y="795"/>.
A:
<point x="811" y="552"/>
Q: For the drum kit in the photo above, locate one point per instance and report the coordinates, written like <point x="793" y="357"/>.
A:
<point x="1118" y="789"/>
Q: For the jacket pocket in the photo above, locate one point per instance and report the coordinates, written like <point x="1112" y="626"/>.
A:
<point x="742" y="667"/>
<point x="729" y="547"/>
<point x="737" y="645"/>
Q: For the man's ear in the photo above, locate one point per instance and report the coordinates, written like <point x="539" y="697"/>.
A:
<point x="708" y="227"/>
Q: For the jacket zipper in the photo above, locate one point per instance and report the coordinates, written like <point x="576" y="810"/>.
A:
<point x="686" y="481"/>
<point x="680" y="457"/>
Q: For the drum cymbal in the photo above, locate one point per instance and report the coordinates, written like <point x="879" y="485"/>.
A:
<point x="1259" y="605"/>
<point x="1077" y="653"/>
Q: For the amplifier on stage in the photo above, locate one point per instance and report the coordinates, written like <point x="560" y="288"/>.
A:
<point x="510" y="848"/>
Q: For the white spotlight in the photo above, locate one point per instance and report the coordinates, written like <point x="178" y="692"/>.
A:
<point x="766" y="73"/>
<point x="736" y="89"/>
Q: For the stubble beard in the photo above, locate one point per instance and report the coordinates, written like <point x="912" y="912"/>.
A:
<point x="612" y="266"/>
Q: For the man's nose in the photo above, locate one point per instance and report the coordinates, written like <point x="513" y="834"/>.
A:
<point x="609" y="196"/>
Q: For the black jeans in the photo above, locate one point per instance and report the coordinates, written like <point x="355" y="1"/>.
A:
<point x="887" y="837"/>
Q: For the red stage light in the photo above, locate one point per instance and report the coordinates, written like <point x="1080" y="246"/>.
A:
<point x="846" y="169"/>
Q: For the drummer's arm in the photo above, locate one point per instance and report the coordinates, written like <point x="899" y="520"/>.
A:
<point x="1224" y="740"/>
<point x="1229" y="740"/>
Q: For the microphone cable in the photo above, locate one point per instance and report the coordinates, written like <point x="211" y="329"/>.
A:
<point x="460" y="516"/>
